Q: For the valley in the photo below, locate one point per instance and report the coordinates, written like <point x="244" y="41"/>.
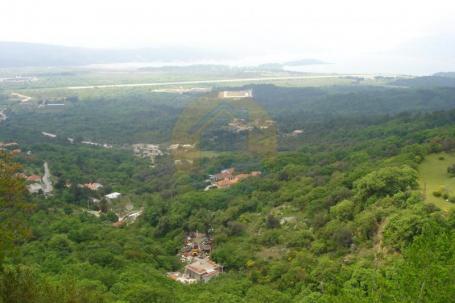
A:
<point x="253" y="192"/>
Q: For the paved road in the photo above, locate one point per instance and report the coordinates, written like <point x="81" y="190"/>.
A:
<point x="221" y="81"/>
<point x="47" y="184"/>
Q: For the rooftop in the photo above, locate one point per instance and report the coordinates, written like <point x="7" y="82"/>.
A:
<point x="203" y="266"/>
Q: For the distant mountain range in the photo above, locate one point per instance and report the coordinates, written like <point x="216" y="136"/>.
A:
<point x="445" y="74"/>
<point x="18" y="54"/>
<point x="446" y="79"/>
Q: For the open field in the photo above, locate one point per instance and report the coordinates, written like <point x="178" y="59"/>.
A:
<point x="433" y="177"/>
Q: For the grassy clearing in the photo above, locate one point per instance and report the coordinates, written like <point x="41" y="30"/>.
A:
<point x="433" y="177"/>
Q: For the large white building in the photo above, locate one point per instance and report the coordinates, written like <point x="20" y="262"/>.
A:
<point x="236" y="94"/>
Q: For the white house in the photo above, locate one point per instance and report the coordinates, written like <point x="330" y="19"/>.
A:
<point x="113" y="195"/>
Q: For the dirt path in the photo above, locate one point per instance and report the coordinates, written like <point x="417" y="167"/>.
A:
<point x="23" y="98"/>
<point x="379" y="249"/>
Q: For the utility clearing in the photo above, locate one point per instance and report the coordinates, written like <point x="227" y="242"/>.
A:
<point x="433" y="177"/>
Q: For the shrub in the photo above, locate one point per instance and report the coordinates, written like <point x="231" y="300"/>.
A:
<point x="451" y="170"/>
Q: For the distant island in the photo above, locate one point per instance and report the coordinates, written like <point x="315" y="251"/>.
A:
<point x="280" y="66"/>
<point x="304" y="62"/>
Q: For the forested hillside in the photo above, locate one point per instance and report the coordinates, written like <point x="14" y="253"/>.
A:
<point x="339" y="212"/>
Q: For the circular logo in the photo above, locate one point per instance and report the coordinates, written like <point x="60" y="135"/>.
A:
<point x="219" y="122"/>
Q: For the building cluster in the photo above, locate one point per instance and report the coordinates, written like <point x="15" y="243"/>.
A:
<point x="240" y="125"/>
<point x="10" y="147"/>
<point x="236" y="94"/>
<point x="227" y="177"/>
<point x="196" y="245"/>
<point x="37" y="184"/>
<point x="150" y="151"/>
<point x="34" y="182"/>
<point x="196" y="255"/>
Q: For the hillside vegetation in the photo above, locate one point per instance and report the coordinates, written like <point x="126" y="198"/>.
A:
<point x="339" y="213"/>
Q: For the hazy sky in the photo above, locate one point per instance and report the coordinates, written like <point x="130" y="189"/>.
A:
<point x="321" y="29"/>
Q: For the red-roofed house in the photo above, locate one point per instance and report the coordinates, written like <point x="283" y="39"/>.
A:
<point x="34" y="178"/>
<point x="93" y="186"/>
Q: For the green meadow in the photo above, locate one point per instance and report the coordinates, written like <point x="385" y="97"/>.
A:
<point x="433" y="177"/>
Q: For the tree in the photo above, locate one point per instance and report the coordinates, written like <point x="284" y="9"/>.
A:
<point x="427" y="271"/>
<point x="451" y="170"/>
<point x="111" y="216"/>
<point x="13" y="205"/>
<point x="386" y="181"/>
<point x="272" y="221"/>
<point x="343" y="210"/>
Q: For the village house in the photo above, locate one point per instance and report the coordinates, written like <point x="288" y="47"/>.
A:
<point x="34" y="178"/>
<point x="202" y="270"/>
<point x="296" y="132"/>
<point x="114" y="195"/>
<point x="34" y="188"/>
<point x="93" y="186"/>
